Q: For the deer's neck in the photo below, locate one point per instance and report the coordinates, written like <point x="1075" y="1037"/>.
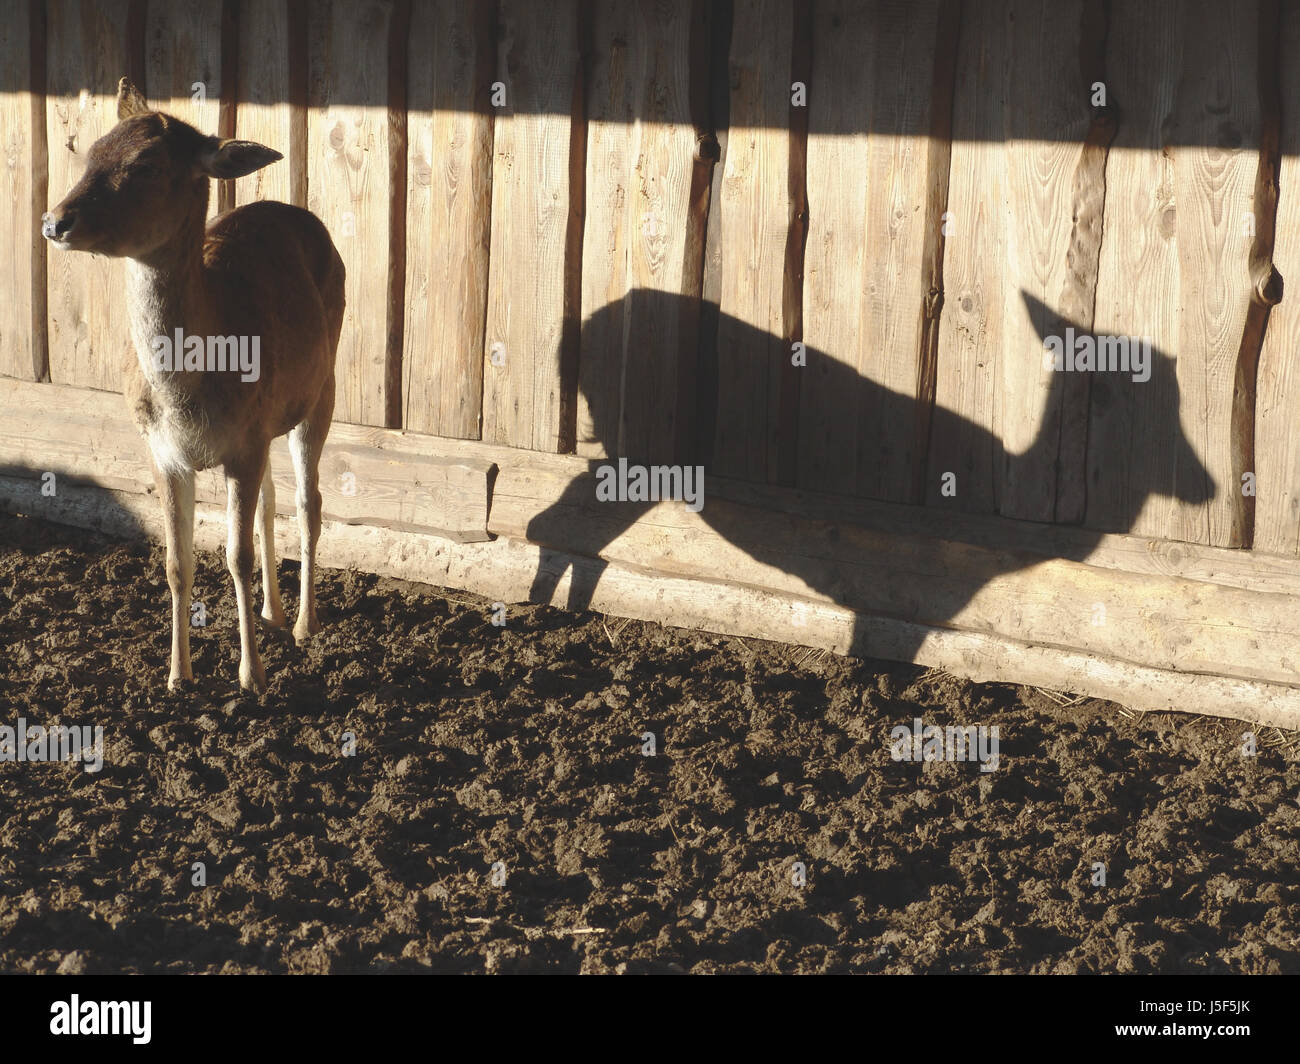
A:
<point x="168" y="302"/>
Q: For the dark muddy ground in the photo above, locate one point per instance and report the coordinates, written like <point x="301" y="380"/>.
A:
<point x="523" y="745"/>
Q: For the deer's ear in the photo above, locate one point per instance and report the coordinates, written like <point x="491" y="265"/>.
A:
<point x="235" y="158"/>
<point x="129" y="100"/>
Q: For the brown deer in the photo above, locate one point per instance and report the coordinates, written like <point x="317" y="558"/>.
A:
<point x="265" y="273"/>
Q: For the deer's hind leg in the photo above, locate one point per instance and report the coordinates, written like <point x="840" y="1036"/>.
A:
<point x="306" y="442"/>
<point x="272" y="608"/>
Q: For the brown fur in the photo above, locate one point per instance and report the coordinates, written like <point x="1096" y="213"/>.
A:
<point x="267" y="270"/>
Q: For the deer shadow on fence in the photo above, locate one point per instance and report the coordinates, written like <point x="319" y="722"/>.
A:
<point x="1176" y="473"/>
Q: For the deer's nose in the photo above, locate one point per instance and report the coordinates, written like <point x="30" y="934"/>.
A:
<point x="57" y="228"/>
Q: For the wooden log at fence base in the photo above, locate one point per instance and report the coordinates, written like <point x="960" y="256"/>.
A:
<point x="505" y="570"/>
<point x="86" y="436"/>
<point x="1173" y="608"/>
<point x="1155" y="621"/>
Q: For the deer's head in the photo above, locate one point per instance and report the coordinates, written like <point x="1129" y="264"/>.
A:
<point x="144" y="181"/>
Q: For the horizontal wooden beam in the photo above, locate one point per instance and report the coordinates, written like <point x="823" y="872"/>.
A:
<point x="1153" y="620"/>
<point x="85" y="436"/>
<point x="894" y="575"/>
<point x="506" y="570"/>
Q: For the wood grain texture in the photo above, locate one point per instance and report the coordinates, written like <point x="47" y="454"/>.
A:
<point x="92" y="441"/>
<point x="263" y="111"/>
<point x="183" y="65"/>
<point x="971" y="329"/>
<point x="1048" y="118"/>
<point x="1020" y="114"/>
<point x="1175" y="268"/>
<point x="538" y="62"/>
<point x="640" y="162"/>
<point x="1277" y="443"/>
<point x="21" y="347"/>
<point x="1217" y="114"/>
<point x="867" y="196"/>
<point x="87" y="51"/>
<point x="754" y="221"/>
<point x="348" y="141"/>
<point x="448" y="216"/>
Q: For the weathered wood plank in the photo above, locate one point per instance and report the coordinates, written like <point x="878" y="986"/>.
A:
<point x="21" y="346"/>
<point x="1277" y="443"/>
<point x="93" y="441"/>
<point x="538" y="64"/>
<point x="86" y="54"/>
<point x="1047" y="115"/>
<point x="1134" y="427"/>
<point x="1175" y="268"/>
<point x="867" y="208"/>
<point x="263" y="112"/>
<point x="640" y="160"/>
<point x="1217" y="112"/>
<point x="1146" y="620"/>
<point x="754" y="209"/>
<point x="1009" y="232"/>
<point x="90" y="412"/>
<point x="971" y="329"/>
<point x="348" y="140"/>
<point x="448" y="216"/>
<point x="183" y="65"/>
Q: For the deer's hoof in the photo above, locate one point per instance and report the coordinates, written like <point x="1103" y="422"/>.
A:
<point x="276" y="619"/>
<point x="304" y="630"/>
<point x="253" y="680"/>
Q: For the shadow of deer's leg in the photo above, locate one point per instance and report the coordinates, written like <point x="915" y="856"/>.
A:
<point x="242" y="487"/>
<point x="306" y="442"/>
<point x="177" y="493"/>
<point x="272" y="608"/>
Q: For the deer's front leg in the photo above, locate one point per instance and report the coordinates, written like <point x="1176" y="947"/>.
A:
<point x="242" y="487"/>
<point x="176" y="490"/>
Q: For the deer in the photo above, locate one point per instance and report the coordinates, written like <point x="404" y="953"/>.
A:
<point x="267" y="271"/>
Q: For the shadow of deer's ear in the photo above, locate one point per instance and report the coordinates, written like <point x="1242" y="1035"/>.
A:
<point x="234" y="158"/>
<point x="130" y="101"/>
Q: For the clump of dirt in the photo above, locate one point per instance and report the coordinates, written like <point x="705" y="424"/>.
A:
<point x="501" y="813"/>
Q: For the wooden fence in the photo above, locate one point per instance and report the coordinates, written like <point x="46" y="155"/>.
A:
<point x="816" y="247"/>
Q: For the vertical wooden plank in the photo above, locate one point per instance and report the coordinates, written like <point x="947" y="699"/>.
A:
<point x="86" y="53"/>
<point x="754" y="212"/>
<point x="348" y="141"/>
<point x="1277" y="443"/>
<point x="1131" y="433"/>
<point x="263" y="110"/>
<point x="448" y="216"/>
<point x="539" y="62"/>
<point x="640" y="161"/>
<point x="1018" y="146"/>
<point x="1217" y="112"/>
<point x="20" y="346"/>
<point x="183" y="64"/>
<point x="972" y="327"/>
<point x="1047" y="118"/>
<point x="873" y="67"/>
<point x="1175" y="267"/>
